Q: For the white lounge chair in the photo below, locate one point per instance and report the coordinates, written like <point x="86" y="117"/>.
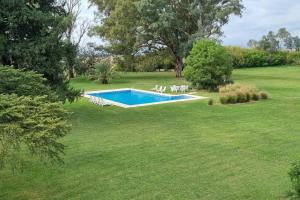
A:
<point x="184" y="88"/>
<point x="102" y="102"/>
<point x="174" y="88"/>
<point x="155" y="88"/>
<point x="159" y="89"/>
<point x="99" y="101"/>
<point x="93" y="99"/>
<point x="162" y="89"/>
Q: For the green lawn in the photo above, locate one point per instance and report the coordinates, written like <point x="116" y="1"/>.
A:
<point x="185" y="150"/>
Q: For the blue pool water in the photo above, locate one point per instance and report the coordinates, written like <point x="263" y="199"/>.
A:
<point x="133" y="97"/>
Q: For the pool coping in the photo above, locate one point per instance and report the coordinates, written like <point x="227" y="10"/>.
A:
<point x="194" y="97"/>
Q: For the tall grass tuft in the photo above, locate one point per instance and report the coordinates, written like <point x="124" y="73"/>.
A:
<point x="235" y="93"/>
<point x="264" y="95"/>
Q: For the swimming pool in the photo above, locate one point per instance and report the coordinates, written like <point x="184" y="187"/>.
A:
<point x="133" y="98"/>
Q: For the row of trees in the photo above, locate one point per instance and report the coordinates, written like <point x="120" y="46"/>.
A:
<point x="272" y="42"/>
<point x="140" y="27"/>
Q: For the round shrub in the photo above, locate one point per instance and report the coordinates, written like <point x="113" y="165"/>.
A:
<point x="264" y="95"/>
<point x="241" y="97"/>
<point x="208" y="66"/>
<point x="232" y="98"/>
<point x="248" y="96"/>
<point x="210" y="102"/>
<point x="255" y="97"/>
<point x="224" y="99"/>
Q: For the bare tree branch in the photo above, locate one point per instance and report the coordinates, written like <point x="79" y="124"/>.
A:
<point x="73" y="10"/>
<point x="84" y="28"/>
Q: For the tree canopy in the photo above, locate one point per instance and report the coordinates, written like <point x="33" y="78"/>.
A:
<point x="118" y="26"/>
<point x="155" y="24"/>
<point x="32" y="123"/>
<point x="24" y="83"/>
<point x="31" y="37"/>
<point x="31" y="117"/>
<point x="269" y="42"/>
<point x="272" y="42"/>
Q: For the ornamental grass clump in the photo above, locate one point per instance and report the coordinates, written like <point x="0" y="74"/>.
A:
<point x="234" y="93"/>
<point x="255" y="97"/>
<point x="241" y="97"/>
<point x="264" y="95"/>
<point x="232" y="98"/>
<point x="224" y="99"/>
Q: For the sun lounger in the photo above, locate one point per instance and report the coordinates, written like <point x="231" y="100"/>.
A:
<point x="163" y="89"/>
<point x="99" y="101"/>
<point x="184" y="88"/>
<point x="156" y="88"/>
<point x="174" y="88"/>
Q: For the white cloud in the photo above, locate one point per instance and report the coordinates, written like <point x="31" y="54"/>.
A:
<point x="261" y="16"/>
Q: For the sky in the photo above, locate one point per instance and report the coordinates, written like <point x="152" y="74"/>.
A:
<point x="87" y="13"/>
<point x="259" y="17"/>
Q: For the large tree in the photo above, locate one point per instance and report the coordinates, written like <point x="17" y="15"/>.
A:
<point x="296" y="41"/>
<point x="176" y="24"/>
<point x="269" y="42"/>
<point x="76" y="29"/>
<point x="285" y="39"/>
<point x="31" y="123"/>
<point x="31" y="36"/>
<point x="171" y="24"/>
<point x="272" y="42"/>
<point x="118" y="27"/>
<point x="253" y="44"/>
<point x="30" y="118"/>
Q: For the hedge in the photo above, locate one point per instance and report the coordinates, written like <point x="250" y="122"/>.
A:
<point x="245" y="58"/>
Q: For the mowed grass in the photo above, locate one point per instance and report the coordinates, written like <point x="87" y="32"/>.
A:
<point x="186" y="150"/>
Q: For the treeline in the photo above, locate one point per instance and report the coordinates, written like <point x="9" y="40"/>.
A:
<point x="280" y="41"/>
<point x="273" y="49"/>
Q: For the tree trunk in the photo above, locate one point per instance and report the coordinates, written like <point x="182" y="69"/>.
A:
<point x="71" y="72"/>
<point x="104" y="81"/>
<point x="179" y="66"/>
